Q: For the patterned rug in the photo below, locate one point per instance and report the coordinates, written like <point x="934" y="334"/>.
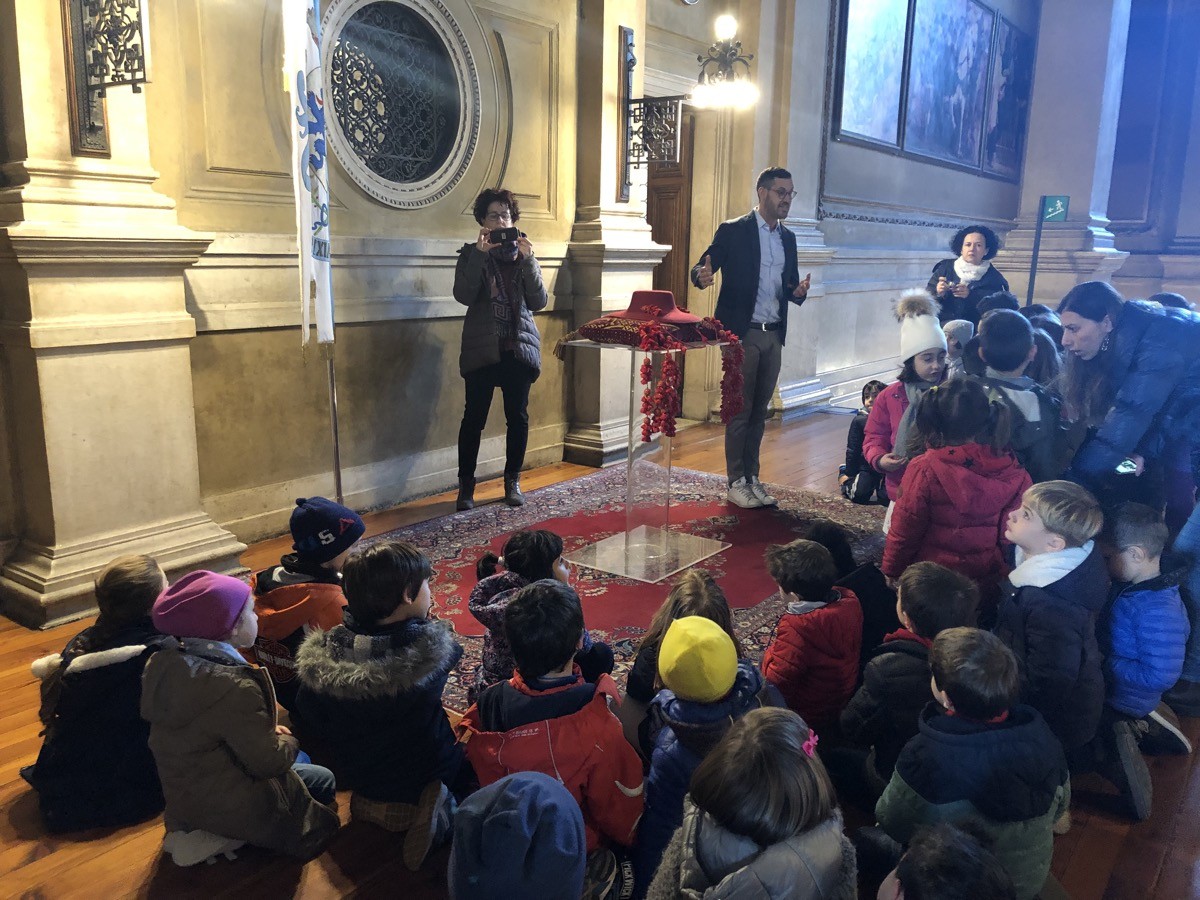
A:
<point x="618" y="609"/>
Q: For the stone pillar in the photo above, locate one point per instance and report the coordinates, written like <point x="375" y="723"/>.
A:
<point x="1072" y="136"/>
<point x="611" y="253"/>
<point x="94" y="332"/>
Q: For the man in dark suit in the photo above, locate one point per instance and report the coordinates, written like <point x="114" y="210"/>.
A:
<point x="758" y="257"/>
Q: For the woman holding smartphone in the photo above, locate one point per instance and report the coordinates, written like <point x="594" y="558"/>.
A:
<point x="498" y="280"/>
<point x="960" y="283"/>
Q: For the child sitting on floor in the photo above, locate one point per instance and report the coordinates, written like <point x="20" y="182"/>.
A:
<point x="95" y="768"/>
<point x="547" y="718"/>
<point x="303" y="592"/>
<point x="948" y="862"/>
<point x="813" y="655"/>
<point x="956" y="495"/>
<point x="372" y="689"/>
<point x="1048" y="614"/>
<point x="228" y="770"/>
<point x="1143" y="634"/>
<point x="760" y="820"/>
<point x="858" y="480"/>
<point x="528" y="556"/>
<point x="890" y="431"/>
<point x="694" y="594"/>
<point x="980" y="758"/>
<point x="706" y="690"/>
<point x="883" y="713"/>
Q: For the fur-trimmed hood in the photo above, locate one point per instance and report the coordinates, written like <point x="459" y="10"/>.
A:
<point x="344" y="664"/>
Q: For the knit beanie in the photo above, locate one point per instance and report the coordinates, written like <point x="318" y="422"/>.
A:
<point x="920" y="329"/>
<point x="521" y="836"/>
<point x="697" y="659"/>
<point x="201" y="605"/>
<point x="960" y="330"/>
<point x="322" y="529"/>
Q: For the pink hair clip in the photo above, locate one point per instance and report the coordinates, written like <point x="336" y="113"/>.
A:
<point x="810" y="745"/>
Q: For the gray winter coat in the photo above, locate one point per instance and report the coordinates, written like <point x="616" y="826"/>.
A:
<point x="223" y="767"/>
<point x="480" y="346"/>
<point x="705" y="860"/>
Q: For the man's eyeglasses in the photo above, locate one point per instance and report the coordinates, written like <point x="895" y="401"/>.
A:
<point x="782" y="194"/>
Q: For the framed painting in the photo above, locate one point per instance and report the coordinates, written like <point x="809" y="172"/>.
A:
<point x="947" y="82"/>
<point x="873" y="69"/>
<point x="1009" y="90"/>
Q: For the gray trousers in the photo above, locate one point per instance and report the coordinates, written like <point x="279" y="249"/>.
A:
<point x="760" y="371"/>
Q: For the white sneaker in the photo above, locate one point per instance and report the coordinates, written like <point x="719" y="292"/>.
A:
<point x="760" y="491"/>
<point x="187" y="848"/>
<point x="741" y="494"/>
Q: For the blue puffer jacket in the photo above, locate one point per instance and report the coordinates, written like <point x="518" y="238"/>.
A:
<point x="1143" y="635"/>
<point x="683" y="733"/>
<point x="1155" y="368"/>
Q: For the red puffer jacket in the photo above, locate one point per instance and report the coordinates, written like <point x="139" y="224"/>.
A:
<point x="880" y="435"/>
<point x="813" y="659"/>
<point x="952" y="509"/>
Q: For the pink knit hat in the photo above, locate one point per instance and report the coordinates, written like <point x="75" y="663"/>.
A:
<point x="201" y="605"/>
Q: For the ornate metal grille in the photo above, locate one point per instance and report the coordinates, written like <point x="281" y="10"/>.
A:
<point x="394" y="92"/>
<point x="113" y="41"/>
<point x="654" y="126"/>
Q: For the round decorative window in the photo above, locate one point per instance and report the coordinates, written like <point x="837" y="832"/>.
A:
<point x="405" y="97"/>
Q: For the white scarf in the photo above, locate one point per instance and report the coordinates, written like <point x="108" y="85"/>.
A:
<point x="969" y="273"/>
<point x="1047" y="568"/>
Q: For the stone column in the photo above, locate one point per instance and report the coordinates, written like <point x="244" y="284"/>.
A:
<point x="1072" y="136"/>
<point x="611" y="253"/>
<point x="94" y="332"/>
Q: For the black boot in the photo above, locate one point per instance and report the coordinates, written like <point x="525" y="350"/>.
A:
<point x="512" y="491"/>
<point x="466" y="494"/>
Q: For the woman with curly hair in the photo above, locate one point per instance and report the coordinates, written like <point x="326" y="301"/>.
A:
<point x="959" y="284"/>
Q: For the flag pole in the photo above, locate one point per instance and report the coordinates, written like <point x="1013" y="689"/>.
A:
<point x="327" y="352"/>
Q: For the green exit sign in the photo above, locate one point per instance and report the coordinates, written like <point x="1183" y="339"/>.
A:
<point x="1054" y="208"/>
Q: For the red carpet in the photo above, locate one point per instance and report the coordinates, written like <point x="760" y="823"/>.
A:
<point x="619" y="609"/>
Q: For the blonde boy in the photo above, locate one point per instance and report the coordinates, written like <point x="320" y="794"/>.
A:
<point x="1048" y="612"/>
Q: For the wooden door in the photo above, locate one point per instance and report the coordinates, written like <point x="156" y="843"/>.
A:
<point x="669" y="212"/>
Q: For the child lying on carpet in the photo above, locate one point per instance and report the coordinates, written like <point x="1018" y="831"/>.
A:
<point x="528" y="556"/>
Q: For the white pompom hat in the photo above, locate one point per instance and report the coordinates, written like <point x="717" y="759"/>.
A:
<point x="920" y="329"/>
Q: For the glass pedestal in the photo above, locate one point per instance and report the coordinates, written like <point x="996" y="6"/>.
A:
<point x="650" y="548"/>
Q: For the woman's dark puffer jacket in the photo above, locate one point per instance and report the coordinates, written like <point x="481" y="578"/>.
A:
<point x="1155" y="369"/>
<point x="480" y="346"/>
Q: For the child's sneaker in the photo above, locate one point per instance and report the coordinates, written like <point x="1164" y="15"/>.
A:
<point x="1126" y="769"/>
<point x="187" y="848"/>
<point x="1164" y="734"/>
<point x="600" y="876"/>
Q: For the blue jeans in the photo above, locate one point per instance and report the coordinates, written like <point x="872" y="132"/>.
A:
<point x="1188" y="544"/>
<point x="318" y="779"/>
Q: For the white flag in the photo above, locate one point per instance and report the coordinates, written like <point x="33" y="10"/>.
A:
<point x="310" y="171"/>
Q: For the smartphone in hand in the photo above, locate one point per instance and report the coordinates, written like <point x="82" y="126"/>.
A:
<point x="504" y="235"/>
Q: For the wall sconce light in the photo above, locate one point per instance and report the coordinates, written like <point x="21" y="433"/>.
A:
<point x="107" y="45"/>
<point x="652" y="124"/>
<point x="724" y="80"/>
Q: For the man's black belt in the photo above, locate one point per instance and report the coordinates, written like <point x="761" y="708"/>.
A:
<point x="765" y="326"/>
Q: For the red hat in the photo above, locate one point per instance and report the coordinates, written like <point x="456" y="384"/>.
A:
<point x="656" y="306"/>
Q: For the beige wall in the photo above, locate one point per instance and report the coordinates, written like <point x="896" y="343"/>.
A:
<point x="220" y="139"/>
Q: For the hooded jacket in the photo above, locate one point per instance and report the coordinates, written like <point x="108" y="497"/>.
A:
<point x="290" y="605"/>
<point x="883" y="713"/>
<point x="95" y="768"/>
<point x="952" y="509"/>
<point x="683" y="733"/>
<point x="375" y="698"/>
<point x="223" y="767"/>
<point x="705" y="860"/>
<point x="1143" y="634"/>
<point x="480" y="345"/>
<point x="585" y="750"/>
<point x="1154" y="366"/>
<point x="1048" y="618"/>
<point x="1009" y="778"/>
<point x="813" y="658"/>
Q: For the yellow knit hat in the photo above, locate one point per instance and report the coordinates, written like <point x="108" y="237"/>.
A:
<point x="697" y="660"/>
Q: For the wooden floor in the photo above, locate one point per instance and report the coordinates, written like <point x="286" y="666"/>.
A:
<point x="1103" y="856"/>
